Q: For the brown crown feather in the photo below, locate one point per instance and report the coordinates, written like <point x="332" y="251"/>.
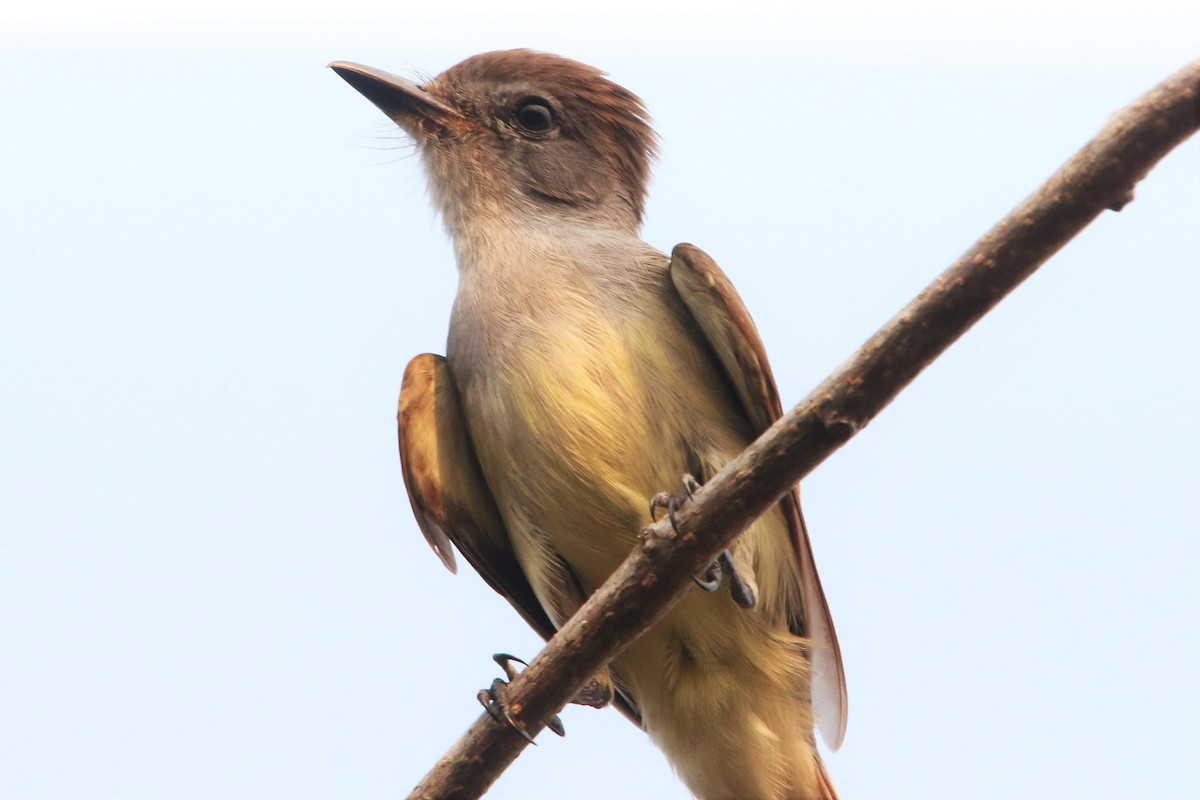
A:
<point x="608" y="118"/>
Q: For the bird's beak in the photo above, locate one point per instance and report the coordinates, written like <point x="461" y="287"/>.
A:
<point x="403" y="101"/>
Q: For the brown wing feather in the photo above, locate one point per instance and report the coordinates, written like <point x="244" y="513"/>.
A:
<point x="451" y="499"/>
<point x="449" y="496"/>
<point x="726" y="324"/>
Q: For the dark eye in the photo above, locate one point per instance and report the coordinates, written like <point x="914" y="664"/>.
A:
<point x="533" y="115"/>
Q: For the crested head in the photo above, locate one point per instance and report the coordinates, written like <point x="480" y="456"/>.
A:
<point x="524" y="133"/>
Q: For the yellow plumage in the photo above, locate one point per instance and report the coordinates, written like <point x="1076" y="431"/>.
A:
<point x="585" y="373"/>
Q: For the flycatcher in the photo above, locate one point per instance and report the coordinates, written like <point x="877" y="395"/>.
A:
<point x="585" y="372"/>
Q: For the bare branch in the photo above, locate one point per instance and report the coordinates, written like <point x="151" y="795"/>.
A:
<point x="1101" y="176"/>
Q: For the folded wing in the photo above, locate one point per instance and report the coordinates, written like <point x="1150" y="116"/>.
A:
<point x="449" y="496"/>
<point x="723" y="319"/>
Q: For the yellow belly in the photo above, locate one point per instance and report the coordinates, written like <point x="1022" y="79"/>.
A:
<point x="575" y="434"/>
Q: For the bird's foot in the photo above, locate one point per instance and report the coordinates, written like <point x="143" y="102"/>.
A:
<point x="741" y="590"/>
<point x="597" y="692"/>
<point x="493" y="699"/>
<point x="671" y="502"/>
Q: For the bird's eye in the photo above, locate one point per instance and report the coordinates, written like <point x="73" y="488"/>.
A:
<point x="533" y="115"/>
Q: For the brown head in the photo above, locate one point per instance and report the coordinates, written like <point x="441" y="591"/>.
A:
<point x="525" y="133"/>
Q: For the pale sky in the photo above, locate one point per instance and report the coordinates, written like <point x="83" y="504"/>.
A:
<point x="216" y="259"/>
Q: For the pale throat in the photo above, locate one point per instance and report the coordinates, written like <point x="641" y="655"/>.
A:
<point x="488" y="217"/>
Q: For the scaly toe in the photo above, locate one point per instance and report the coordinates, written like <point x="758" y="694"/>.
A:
<point x="658" y="503"/>
<point x="493" y="702"/>
<point x="739" y="589"/>
<point x="493" y="699"/>
<point x="710" y="581"/>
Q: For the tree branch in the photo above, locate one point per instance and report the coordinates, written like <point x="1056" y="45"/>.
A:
<point x="1100" y="176"/>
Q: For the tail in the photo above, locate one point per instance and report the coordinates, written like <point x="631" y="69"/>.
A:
<point x="746" y="757"/>
<point x="824" y="783"/>
<point x="728" y="702"/>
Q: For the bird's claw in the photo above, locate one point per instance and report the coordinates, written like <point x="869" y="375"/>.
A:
<point x="659" y="502"/>
<point x="672" y="502"/>
<point x="493" y="701"/>
<point x="710" y="579"/>
<point x="739" y="589"/>
<point x="595" y="693"/>
<point x="668" y="501"/>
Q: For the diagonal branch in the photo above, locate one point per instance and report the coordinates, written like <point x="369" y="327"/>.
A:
<point x="1100" y="176"/>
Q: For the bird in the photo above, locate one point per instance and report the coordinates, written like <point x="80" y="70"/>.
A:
<point x="585" y="371"/>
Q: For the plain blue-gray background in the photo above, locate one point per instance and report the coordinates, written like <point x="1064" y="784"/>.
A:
<point x="216" y="258"/>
